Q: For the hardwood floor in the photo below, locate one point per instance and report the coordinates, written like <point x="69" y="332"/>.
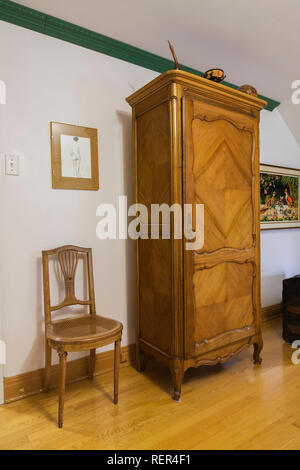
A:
<point x="245" y="407"/>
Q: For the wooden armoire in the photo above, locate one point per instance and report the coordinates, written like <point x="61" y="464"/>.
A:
<point x="197" y="142"/>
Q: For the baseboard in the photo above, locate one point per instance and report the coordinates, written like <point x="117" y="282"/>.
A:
<point x="271" y="312"/>
<point x="31" y="383"/>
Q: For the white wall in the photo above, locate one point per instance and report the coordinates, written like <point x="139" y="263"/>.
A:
<point x="280" y="253"/>
<point x="50" y="80"/>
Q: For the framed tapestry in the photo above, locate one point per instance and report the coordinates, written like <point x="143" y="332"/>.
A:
<point x="279" y="197"/>
<point x="74" y="157"/>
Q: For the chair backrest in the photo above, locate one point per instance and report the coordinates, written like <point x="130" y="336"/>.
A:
<point x="67" y="257"/>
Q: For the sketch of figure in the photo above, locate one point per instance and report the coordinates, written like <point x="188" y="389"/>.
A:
<point x="76" y="156"/>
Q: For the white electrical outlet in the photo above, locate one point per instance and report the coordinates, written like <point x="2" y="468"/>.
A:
<point x="12" y="164"/>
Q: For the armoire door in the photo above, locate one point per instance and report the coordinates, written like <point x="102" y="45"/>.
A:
<point x="219" y="171"/>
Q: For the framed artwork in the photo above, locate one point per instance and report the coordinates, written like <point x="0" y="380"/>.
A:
<point x="279" y="197"/>
<point x="74" y="157"/>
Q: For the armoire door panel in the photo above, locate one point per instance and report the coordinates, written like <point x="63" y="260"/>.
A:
<point x="222" y="181"/>
<point x="223" y="300"/>
<point x="219" y="282"/>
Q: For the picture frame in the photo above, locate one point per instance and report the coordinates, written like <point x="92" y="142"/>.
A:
<point x="279" y="197"/>
<point x="74" y="157"/>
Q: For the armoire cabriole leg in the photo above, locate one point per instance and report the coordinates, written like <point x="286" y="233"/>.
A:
<point x="62" y="385"/>
<point x="117" y="370"/>
<point x="257" y="350"/>
<point x="47" y="366"/>
<point x="177" y="376"/>
<point x="92" y="363"/>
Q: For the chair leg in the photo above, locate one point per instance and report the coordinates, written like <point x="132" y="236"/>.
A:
<point x="62" y="386"/>
<point x="92" y="363"/>
<point x="47" y="366"/>
<point x="116" y="370"/>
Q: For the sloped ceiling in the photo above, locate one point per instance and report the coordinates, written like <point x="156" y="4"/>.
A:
<point x="255" y="42"/>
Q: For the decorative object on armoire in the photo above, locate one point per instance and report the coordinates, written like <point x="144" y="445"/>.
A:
<point x="249" y="89"/>
<point x="196" y="141"/>
<point x="291" y="309"/>
<point x="216" y="75"/>
<point x="74" y="157"/>
<point x="79" y="332"/>
<point x="279" y="197"/>
<point x="176" y="64"/>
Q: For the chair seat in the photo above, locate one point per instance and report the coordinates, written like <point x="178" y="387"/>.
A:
<point x="83" y="329"/>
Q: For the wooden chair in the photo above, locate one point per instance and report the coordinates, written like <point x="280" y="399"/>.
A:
<point x="79" y="333"/>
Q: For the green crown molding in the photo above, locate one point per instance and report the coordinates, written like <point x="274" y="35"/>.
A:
<point x="29" y="18"/>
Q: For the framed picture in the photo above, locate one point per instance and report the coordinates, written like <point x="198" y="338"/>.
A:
<point x="279" y="197"/>
<point x="74" y="157"/>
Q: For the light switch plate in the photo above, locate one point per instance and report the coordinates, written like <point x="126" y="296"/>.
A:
<point x="12" y="164"/>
